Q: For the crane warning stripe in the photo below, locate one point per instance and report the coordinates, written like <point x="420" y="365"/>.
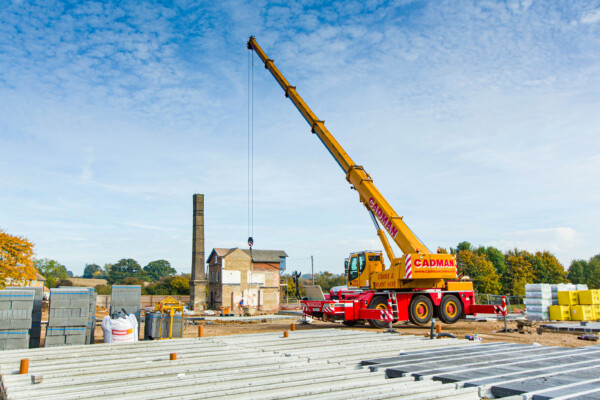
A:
<point x="408" y="264"/>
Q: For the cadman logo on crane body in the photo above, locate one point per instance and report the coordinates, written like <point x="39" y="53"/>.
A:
<point x="385" y="220"/>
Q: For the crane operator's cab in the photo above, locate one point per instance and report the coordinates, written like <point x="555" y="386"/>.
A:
<point x="359" y="267"/>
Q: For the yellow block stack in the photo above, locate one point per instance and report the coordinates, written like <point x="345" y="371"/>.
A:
<point x="582" y="305"/>
<point x="568" y="298"/>
<point x="560" y="313"/>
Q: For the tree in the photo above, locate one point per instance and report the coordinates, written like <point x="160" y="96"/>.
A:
<point x="480" y="270"/>
<point x="497" y="258"/>
<point x="102" y="289"/>
<point x="16" y="258"/>
<point x="171" y="285"/>
<point x="99" y="275"/>
<point x="90" y="270"/>
<point x="576" y="271"/>
<point x="124" y="268"/>
<point x="52" y="270"/>
<point x="327" y="280"/>
<point x="592" y="272"/>
<point x="547" y="268"/>
<point x="158" y="269"/>
<point x="130" y="280"/>
<point x="64" y="282"/>
<point x="519" y="272"/>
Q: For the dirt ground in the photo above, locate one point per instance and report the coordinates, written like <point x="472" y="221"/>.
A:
<point x="487" y="330"/>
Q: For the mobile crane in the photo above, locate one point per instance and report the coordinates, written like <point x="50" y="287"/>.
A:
<point x="416" y="286"/>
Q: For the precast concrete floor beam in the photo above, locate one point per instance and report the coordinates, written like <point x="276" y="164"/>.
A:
<point x="504" y="370"/>
<point x="315" y="364"/>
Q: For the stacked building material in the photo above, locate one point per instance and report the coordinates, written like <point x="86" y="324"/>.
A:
<point x="576" y="305"/>
<point x="560" y="287"/>
<point x="91" y="327"/>
<point x="153" y="329"/>
<point x="126" y="298"/>
<point x="68" y="316"/>
<point x="36" y="316"/>
<point x="16" y="308"/>
<point x="538" y="299"/>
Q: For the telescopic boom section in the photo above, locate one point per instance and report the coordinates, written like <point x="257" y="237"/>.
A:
<point x="355" y="174"/>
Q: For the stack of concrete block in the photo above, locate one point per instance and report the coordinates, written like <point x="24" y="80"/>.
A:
<point x="128" y="298"/>
<point x="538" y="299"/>
<point x="91" y="327"/>
<point x="560" y="287"/>
<point x="36" y="325"/>
<point x="16" y="308"/>
<point x="68" y="316"/>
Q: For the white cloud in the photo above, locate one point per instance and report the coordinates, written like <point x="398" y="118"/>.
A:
<point x="591" y="17"/>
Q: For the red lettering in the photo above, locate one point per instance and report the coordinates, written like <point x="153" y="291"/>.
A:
<point x="371" y="202"/>
<point x="425" y="263"/>
<point x="393" y="231"/>
<point x="446" y="263"/>
<point x="384" y="219"/>
<point x="418" y="263"/>
<point x="379" y="213"/>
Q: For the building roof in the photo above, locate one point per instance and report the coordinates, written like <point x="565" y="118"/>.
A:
<point x="266" y="256"/>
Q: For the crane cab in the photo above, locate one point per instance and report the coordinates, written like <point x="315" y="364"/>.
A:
<point x="359" y="267"/>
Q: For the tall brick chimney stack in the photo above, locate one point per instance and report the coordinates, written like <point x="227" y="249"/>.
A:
<point x="198" y="281"/>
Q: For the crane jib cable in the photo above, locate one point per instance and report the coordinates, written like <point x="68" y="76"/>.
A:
<point x="250" y="149"/>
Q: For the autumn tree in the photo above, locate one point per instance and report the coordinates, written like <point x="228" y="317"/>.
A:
<point x="327" y="280"/>
<point x="16" y="258"/>
<point x="519" y="272"/>
<point x="158" y="269"/>
<point x="52" y="270"/>
<point x="90" y="270"/>
<point x="480" y="270"/>
<point x="547" y="268"/>
<point x="592" y="272"/>
<point x="576" y="271"/>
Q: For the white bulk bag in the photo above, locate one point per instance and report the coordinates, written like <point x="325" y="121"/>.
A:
<point x="120" y="330"/>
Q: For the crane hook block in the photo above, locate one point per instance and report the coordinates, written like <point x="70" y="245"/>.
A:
<point x="250" y="242"/>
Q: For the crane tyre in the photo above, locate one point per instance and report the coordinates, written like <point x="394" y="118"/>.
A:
<point x="378" y="303"/>
<point x="450" y="309"/>
<point x="420" y="310"/>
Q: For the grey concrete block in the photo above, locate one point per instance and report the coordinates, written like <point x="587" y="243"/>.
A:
<point x="14" y="333"/>
<point x="14" y="344"/>
<point x="5" y="305"/>
<point x="77" y="321"/>
<point x="20" y="324"/>
<point x="22" y="304"/>
<point x="52" y="341"/>
<point x="58" y="321"/>
<point x="74" y="331"/>
<point x="4" y="323"/>
<point x="75" y="339"/>
<point x="59" y="303"/>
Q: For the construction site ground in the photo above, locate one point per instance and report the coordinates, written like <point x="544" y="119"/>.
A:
<point x="486" y="330"/>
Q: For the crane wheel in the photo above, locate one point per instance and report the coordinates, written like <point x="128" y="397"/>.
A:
<point x="450" y="309"/>
<point x="378" y="303"/>
<point x="420" y="310"/>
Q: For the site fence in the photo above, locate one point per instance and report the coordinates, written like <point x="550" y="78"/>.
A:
<point x="496" y="299"/>
<point x="147" y="300"/>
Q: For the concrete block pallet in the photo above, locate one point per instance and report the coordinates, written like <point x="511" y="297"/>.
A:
<point x="36" y="323"/>
<point x="256" y="366"/>
<point x="68" y="316"/>
<point x="16" y="310"/>
<point x="128" y="298"/>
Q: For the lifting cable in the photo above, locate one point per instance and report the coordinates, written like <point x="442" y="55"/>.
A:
<point x="250" y="148"/>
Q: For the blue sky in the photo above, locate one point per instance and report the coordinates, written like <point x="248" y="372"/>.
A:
<point x="478" y="121"/>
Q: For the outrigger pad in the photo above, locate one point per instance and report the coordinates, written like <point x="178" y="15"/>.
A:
<point x="314" y="292"/>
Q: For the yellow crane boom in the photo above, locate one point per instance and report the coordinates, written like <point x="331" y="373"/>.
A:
<point x="379" y="209"/>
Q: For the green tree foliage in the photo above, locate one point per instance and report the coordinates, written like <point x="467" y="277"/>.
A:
<point x="171" y="285"/>
<point x="90" y="270"/>
<point x="576" y="271"/>
<point x="64" y="282"/>
<point x="52" y="270"/>
<point x="132" y="281"/>
<point x="124" y="268"/>
<point x="327" y="280"/>
<point x="519" y="272"/>
<point x="159" y="269"/>
<point x="102" y="289"/>
<point x="480" y="270"/>
<point x="547" y="268"/>
<point x="592" y="272"/>
<point x="496" y="257"/>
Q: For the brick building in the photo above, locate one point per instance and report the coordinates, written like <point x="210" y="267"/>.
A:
<point x="254" y="275"/>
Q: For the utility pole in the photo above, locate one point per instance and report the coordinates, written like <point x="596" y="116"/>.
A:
<point x="312" y="268"/>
